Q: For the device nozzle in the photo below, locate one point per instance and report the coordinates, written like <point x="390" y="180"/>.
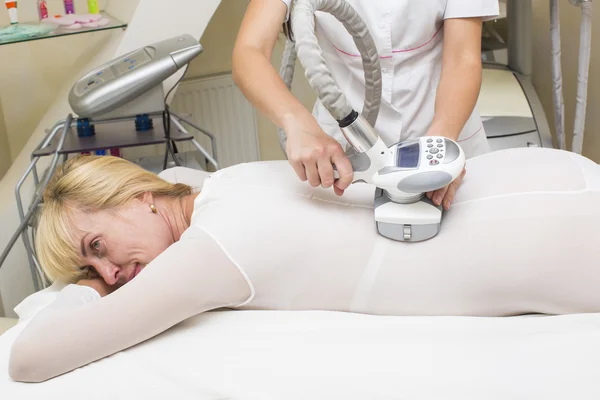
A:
<point x="358" y="132"/>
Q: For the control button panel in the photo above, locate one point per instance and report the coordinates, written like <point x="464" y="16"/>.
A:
<point x="434" y="151"/>
<point x="126" y="64"/>
<point x="132" y="61"/>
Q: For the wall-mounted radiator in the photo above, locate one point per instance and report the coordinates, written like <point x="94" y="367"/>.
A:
<point x="216" y="104"/>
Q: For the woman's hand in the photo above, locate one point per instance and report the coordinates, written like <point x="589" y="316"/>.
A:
<point x="313" y="155"/>
<point x="445" y="195"/>
<point x="98" y="285"/>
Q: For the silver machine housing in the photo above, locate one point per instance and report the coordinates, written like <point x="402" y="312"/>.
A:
<point x="132" y="84"/>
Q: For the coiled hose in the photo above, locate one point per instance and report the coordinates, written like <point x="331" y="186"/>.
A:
<point x="306" y="47"/>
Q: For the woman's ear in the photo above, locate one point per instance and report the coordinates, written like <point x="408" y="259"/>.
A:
<point x="147" y="198"/>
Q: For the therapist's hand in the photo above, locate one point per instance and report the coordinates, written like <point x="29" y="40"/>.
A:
<point x="312" y="153"/>
<point x="446" y="194"/>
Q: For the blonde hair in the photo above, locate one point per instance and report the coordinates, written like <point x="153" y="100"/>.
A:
<point x="88" y="183"/>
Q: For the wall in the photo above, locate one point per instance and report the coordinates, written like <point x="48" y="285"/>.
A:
<point x="5" y="159"/>
<point x="218" y="41"/>
<point x="542" y="75"/>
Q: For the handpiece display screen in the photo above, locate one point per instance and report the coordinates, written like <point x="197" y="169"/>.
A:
<point x="408" y="156"/>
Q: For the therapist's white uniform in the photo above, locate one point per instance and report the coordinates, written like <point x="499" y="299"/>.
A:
<point x="409" y="36"/>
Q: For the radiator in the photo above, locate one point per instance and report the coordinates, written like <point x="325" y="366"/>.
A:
<point x="217" y="105"/>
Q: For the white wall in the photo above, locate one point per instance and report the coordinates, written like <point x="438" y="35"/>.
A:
<point x="147" y="25"/>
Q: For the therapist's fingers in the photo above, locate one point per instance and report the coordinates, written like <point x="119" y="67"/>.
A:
<point x="345" y="172"/>
<point x="312" y="173"/>
<point x="325" y="168"/>
<point x="452" y="188"/>
<point x="438" y="195"/>
<point x="299" y="169"/>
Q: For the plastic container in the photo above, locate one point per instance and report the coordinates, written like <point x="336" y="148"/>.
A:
<point x="11" y="7"/>
<point x="93" y="7"/>
<point x="42" y="8"/>
<point x="69" y="7"/>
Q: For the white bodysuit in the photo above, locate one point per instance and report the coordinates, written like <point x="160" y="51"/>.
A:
<point x="519" y="238"/>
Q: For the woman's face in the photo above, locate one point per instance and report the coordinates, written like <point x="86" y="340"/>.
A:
<point x="119" y="243"/>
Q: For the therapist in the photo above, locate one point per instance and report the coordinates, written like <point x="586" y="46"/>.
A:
<point x="430" y="53"/>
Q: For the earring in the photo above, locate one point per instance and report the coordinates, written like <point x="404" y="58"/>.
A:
<point x="153" y="208"/>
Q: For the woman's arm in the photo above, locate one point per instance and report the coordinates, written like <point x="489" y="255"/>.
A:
<point x="460" y="80"/>
<point x="311" y="152"/>
<point x="190" y="277"/>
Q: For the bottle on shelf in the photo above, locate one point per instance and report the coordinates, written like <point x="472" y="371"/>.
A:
<point x="11" y="7"/>
<point x="42" y="8"/>
<point x="93" y="7"/>
<point x="69" y="7"/>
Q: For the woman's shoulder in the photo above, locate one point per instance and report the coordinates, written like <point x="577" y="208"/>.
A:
<point x="189" y="176"/>
<point x="272" y="174"/>
<point x="249" y="170"/>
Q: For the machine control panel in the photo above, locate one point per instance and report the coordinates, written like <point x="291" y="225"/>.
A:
<point x="111" y="71"/>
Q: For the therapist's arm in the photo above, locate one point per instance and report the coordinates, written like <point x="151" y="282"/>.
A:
<point x="311" y="152"/>
<point x="460" y="81"/>
<point x="251" y="64"/>
<point x="83" y="325"/>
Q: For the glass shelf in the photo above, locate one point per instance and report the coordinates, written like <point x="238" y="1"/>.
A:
<point x="58" y="31"/>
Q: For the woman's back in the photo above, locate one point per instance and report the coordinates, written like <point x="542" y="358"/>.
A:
<point x="518" y="239"/>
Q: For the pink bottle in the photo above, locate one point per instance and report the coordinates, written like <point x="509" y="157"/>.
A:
<point x="42" y="9"/>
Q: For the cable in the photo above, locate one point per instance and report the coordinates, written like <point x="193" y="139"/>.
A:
<point x="177" y="83"/>
<point x="171" y="145"/>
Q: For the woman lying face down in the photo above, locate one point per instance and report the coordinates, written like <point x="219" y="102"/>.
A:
<point x="116" y="230"/>
<point x="256" y="238"/>
<point x="108" y="227"/>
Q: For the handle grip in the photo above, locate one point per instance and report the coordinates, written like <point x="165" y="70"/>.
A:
<point x="360" y="165"/>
